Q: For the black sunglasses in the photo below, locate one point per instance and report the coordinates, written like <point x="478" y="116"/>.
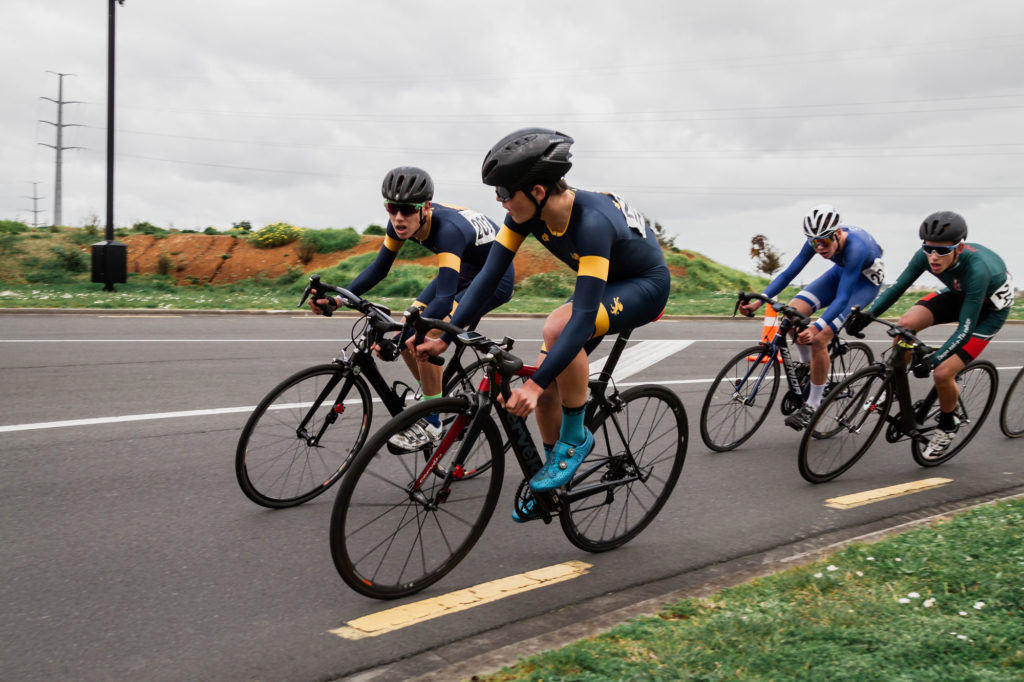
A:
<point x="939" y="250"/>
<point x="405" y="209"/>
<point x="505" y="193"/>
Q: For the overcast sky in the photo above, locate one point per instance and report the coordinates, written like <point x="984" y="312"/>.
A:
<point x="718" y="119"/>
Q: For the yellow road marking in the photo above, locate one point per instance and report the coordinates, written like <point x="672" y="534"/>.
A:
<point x="869" y="496"/>
<point x="399" y="617"/>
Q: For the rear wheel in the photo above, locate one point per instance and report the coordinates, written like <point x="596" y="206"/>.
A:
<point x="739" y="399"/>
<point x="639" y="449"/>
<point x="845" y="425"/>
<point x="399" y="525"/>
<point x="301" y="437"/>
<point x="977" y="382"/>
<point x="846" y="359"/>
<point x="1011" y="416"/>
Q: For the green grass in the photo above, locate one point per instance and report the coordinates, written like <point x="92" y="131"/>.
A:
<point x="945" y="602"/>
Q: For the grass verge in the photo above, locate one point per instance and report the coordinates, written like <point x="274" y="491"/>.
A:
<point x="942" y="602"/>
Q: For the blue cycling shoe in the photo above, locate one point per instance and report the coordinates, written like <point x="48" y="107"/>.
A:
<point x="562" y="463"/>
<point x="528" y="512"/>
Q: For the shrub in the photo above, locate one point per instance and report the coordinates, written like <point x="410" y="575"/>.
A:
<point x="70" y="259"/>
<point x="554" y="284"/>
<point x="13" y="226"/>
<point x="149" y="228"/>
<point x="405" y="282"/>
<point x="375" y="230"/>
<point x="329" y="240"/>
<point x="244" y="226"/>
<point x="164" y="264"/>
<point x="276" y="234"/>
<point x="211" y="230"/>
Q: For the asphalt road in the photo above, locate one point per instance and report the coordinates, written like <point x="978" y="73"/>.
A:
<point x="128" y="551"/>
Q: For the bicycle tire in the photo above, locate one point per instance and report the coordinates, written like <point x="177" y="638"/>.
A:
<point x="388" y="542"/>
<point x="978" y="383"/>
<point x="655" y="430"/>
<point x="726" y="421"/>
<point x="1011" y="414"/>
<point x="276" y="465"/>
<point x="851" y="357"/>
<point x="825" y="450"/>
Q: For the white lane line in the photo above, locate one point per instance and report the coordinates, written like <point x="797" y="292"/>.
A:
<point x="641" y="356"/>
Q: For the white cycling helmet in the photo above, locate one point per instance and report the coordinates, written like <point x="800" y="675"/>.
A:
<point x="822" y="221"/>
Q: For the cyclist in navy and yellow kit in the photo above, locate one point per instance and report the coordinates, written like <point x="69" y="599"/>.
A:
<point x="461" y="238"/>
<point x="977" y="296"/>
<point x="854" y="280"/>
<point x="622" y="282"/>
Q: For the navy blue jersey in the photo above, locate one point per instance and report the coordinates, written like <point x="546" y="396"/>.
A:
<point x="461" y="238"/>
<point x="604" y="241"/>
<point x="860" y="262"/>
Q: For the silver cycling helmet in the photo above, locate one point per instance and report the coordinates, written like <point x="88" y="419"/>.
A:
<point x="822" y="221"/>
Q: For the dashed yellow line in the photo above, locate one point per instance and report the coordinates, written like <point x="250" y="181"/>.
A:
<point x="878" y="494"/>
<point x="399" y="617"/>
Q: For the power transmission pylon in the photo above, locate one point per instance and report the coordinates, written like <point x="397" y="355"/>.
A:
<point x="59" y="147"/>
<point x="35" y="204"/>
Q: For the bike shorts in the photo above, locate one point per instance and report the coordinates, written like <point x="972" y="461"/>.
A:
<point x="629" y="303"/>
<point x="821" y="292"/>
<point x="945" y="308"/>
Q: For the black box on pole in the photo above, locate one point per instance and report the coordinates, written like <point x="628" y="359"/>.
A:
<point x="109" y="262"/>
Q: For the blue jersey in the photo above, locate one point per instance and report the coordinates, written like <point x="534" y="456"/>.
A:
<point x="461" y="238"/>
<point x="858" y="265"/>
<point x="605" y="241"/>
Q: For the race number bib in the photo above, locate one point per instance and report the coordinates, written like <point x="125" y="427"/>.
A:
<point x="484" y="228"/>
<point x="875" y="273"/>
<point x="1003" y="296"/>
<point x="634" y="218"/>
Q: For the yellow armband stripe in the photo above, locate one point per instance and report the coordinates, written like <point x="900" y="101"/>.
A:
<point x="449" y="260"/>
<point x="593" y="266"/>
<point x="509" y="239"/>
<point x="392" y="244"/>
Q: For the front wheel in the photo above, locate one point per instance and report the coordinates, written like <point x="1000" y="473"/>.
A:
<point x="639" y="448"/>
<point x="977" y="382"/>
<point x="1011" y="416"/>
<point x="739" y="398"/>
<point x="300" y="438"/>
<point x="404" y="519"/>
<point x="845" y="425"/>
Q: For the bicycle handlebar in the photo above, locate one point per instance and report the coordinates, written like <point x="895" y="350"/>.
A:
<point x="506" y="363"/>
<point x="378" y="316"/>
<point x="798" y="317"/>
<point x="920" y="348"/>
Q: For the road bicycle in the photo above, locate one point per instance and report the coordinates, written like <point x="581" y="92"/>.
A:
<point x="1011" y="415"/>
<point x="742" y="394"/>
<point x="302" y="436"/>
<point x="401" y="521"/>
<point x="848" y="421"/>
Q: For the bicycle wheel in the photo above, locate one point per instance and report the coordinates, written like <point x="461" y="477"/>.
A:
<point x="738" y="401"/>
<point x="846" y="359"/>
<point x="639" y="448"/>
<point x="845" y="425"/>
<point x="1011" y="416"/>
<point x="397" y="526"/>
<point x="301" y="437"/>
<point x="978" y="382"/>
<point x="465" y="381"/>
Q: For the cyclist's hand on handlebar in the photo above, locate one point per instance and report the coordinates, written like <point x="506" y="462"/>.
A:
<point x="429" y="347"/>
<point x="922" y="368"/>
<point x="750" y="307"/>
<point x="806" y="337"/>
<point x="857" y="322"/>
<point x="323" y="306"/>
<point x="522" y="400"/>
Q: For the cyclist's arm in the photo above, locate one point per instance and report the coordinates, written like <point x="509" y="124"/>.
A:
<point x="379" y="268"/>
<point x="503" y="250"/>
<point x="975" y="286"/>
<point x="855" y="257"/>
<point x="791" y="271"/>
<point x="451" y="244"/>
<point x="917" y="265"/>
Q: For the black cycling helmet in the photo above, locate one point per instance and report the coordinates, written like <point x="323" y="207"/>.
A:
<point x="527" y="157"/>
<point x="943" y="226"/>
<point x="407" y="185"/>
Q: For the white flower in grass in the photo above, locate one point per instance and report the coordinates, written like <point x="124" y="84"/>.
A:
<point x="817" y="575"/>
<point x="928" y="603"/>
<point x="962" y="613"/>
<point x="903" y="600"/>
<point x="831" y="568"/>
<point x="979" y="605"/>
<point x="871" y="558"/>
<point x="860" y="574"/>
<point x="913" y="595"/>
<point x="898" y="559"/>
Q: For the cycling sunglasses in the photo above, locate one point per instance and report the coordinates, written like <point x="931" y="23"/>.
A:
<point x="505" y="193"/>
<point x="821" y="242"/>
<point x="939" y="250"/>
<point x="405" y="209"/>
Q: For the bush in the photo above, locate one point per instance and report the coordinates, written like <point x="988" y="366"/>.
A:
<point x="405" y="282"/>
<point x="211" y="230"/>
<point x="70" y="259"/>
<point x="276" y="234"/>
<point x="164" y="264"/>
<point x="12" y="227"/>
<point x="374" y="229"/>
<point x="149" y="228"/>
<point x="326" y="241"/>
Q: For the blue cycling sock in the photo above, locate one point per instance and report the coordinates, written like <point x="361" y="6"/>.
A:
<point x="572" y="431"/>
<point x="434" y="418"/>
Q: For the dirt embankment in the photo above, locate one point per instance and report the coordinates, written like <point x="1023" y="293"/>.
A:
<point x="220" y="259"/>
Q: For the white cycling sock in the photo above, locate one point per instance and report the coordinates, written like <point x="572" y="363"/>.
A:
<point x="814" y="396"/>
<point x="805" y="353"/>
